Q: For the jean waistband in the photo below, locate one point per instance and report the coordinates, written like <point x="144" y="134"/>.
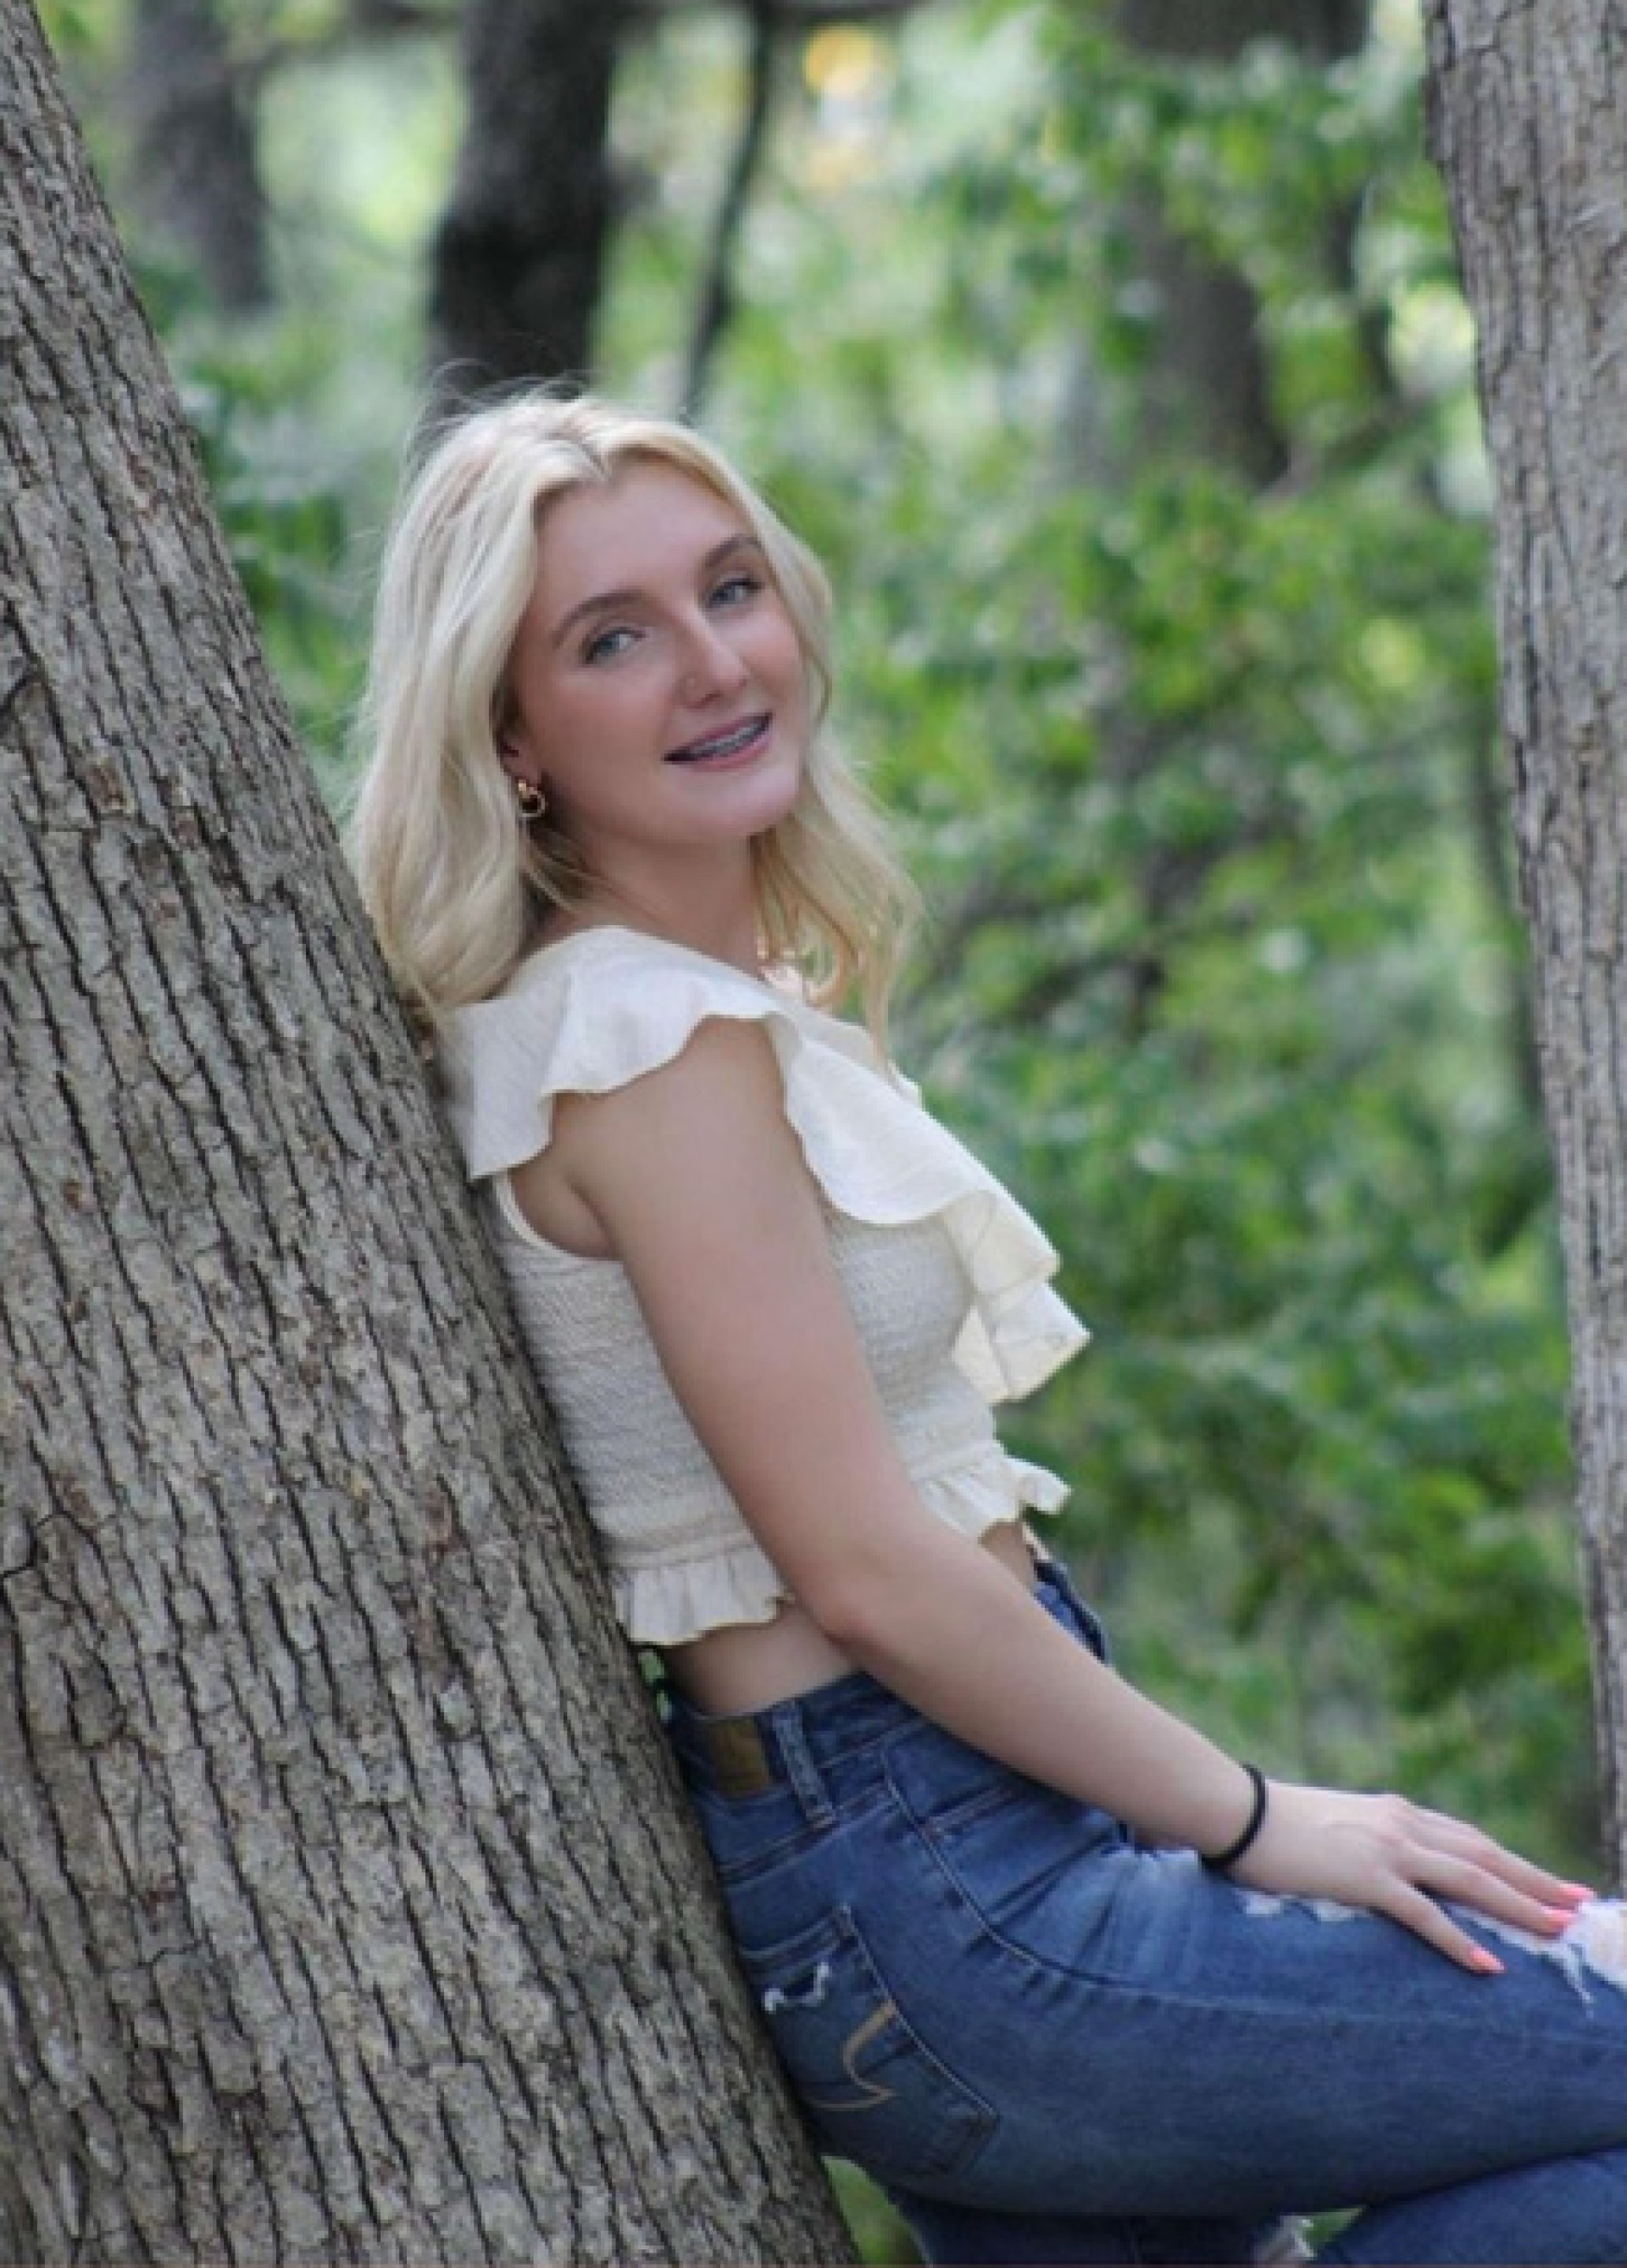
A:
<point x="787" y="1745"/>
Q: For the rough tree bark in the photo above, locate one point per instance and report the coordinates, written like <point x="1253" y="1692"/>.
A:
<point x="519" y="255"/>
<point x="348" y="1910"/>
<point x="1526" y="99"/>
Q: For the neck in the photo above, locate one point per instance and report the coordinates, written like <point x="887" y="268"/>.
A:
<point x="689" y="910"/>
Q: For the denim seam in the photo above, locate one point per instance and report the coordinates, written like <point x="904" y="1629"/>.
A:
<point x="813" y="1837"/>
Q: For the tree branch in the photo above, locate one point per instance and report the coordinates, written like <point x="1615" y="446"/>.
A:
<point x="716" y="301"/>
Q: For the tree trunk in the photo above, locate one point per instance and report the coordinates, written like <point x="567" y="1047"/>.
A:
<point x="196" y="171"/>
<point x="1206" y="384"/>
<point x="1526" y="99"/>
<point x="348" y="1906"/>
<point x="519" y="255"/>
<point x="1202" y="391"/>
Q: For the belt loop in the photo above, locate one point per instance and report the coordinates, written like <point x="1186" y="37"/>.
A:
<point x="800" y="1768"/>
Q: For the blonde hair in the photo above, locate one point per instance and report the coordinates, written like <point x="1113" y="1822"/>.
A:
<point x="455" y="886"/>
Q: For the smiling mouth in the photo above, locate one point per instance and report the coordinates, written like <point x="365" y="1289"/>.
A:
<point x="740" y="740"/>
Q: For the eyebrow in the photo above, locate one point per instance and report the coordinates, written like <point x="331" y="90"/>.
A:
<point x="603" y="601"/>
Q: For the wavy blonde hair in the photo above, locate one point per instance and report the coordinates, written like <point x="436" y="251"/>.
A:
<point x="455" y="884"/>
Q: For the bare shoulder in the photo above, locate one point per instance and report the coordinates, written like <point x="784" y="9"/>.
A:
<point x="706" y="1129"/>
<point x="723" y="1084"/>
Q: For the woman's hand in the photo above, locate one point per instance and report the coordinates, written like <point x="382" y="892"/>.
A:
<point x="1396" y="1858"/>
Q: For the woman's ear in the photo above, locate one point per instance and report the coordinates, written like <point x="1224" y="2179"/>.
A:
<point x="517" y="763"/>
<point x="525" y="776"/>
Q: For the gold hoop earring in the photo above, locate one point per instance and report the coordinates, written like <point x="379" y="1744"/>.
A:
<point x="532" y="802"/>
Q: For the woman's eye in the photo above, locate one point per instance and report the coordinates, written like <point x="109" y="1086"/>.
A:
<point x="604" y="645"/>
<point x="735" y="590"/>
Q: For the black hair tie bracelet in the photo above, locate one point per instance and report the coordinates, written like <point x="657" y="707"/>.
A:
<point x="1220" y="1861"/>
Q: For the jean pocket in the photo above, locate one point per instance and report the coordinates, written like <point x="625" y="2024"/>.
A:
<point x="873" y="2089"/>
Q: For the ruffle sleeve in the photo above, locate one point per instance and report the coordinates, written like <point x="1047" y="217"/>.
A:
<point x="604" y="1007"/>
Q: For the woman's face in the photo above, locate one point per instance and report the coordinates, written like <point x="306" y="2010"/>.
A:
<point x="657" y="688"/>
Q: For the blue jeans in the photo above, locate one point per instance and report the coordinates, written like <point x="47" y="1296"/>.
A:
<point x="1050" y="2044"/>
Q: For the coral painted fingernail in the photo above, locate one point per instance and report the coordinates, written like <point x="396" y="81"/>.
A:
<point x="1580" y="1892"/>
<point x="1487" y="1963"/>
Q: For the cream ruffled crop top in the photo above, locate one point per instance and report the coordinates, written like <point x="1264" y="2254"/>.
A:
<point x="947" y="1276"/>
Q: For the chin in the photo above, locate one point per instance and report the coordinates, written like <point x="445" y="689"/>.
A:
<point x="768" y="799"/>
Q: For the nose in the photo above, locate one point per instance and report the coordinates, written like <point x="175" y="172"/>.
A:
<point x="709" y="667"/>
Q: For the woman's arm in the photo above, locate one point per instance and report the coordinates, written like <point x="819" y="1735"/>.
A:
<point x="699" y="1185"/>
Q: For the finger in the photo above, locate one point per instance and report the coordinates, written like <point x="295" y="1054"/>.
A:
<point x="1537" y="1883"/>
<point x="1472" y="1843"/>
<point x="1467" y="1884"/>
<point x="1529" y="1885"/>
<point x="1419" y="1913"/>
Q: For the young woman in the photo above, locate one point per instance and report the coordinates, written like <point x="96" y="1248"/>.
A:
<point x="1074" y="1984"/>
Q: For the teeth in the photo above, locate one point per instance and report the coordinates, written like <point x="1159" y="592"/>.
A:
<point x="723" y="744"/>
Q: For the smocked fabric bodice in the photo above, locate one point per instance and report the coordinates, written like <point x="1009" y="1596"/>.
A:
<point x="947" y="1277"/>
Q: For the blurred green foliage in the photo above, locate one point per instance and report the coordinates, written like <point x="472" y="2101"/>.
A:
<point x="1220" y="971"/>
<point x="1199" y="770"/>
